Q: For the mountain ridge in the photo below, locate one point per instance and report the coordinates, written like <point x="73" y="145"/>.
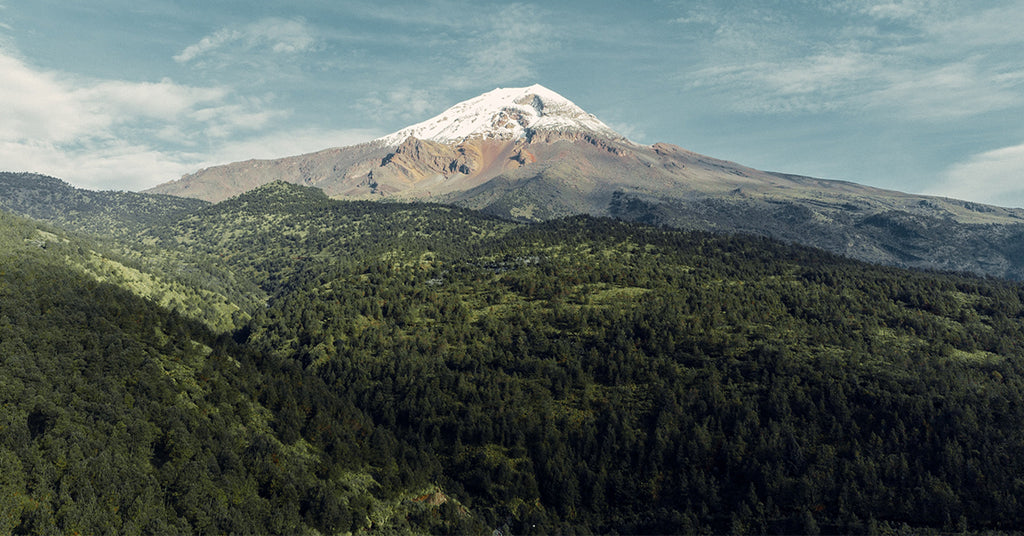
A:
<point x="529" y="154"/>
<point x="49" y="198"/>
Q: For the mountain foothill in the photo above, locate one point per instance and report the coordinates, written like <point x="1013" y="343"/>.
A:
<point x="507" y="319"/>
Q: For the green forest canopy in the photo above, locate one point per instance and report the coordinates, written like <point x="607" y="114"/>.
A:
<point x="418" y="367"/>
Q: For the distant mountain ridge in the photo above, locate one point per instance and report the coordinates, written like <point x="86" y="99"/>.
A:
<point x="51" y="199"/>
<point x="530" y="154"/>
<point x="459" y="149"/>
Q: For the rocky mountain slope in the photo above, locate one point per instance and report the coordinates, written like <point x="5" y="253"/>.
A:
<point x="530" y="154"/>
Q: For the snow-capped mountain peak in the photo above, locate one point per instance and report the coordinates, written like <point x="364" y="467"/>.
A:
<point x="504" y="114"/>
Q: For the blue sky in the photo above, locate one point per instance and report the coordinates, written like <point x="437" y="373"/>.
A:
<point x="923" y="96"/>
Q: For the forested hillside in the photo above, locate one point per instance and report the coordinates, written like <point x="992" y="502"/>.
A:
<point x="280" y="230"/>
<point x="103" y="212"/>
<point x="423" y="368"/>
<point x="122" y="417"/>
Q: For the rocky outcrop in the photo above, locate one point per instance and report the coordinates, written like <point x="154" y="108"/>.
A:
<point x="427" y="157"/>
<point x="613" y="146"/>
<point x="415" y="161"/>
<point x="522" y="157"/>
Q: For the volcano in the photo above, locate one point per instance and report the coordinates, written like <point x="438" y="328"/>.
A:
<point x="531" y="154"/>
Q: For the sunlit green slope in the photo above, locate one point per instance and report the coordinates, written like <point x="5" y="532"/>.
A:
<point x="429" y="369"/>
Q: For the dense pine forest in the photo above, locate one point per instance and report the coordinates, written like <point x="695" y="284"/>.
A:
<point x="287" y="364"/>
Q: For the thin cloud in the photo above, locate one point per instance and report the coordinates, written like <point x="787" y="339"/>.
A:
<point x="903" y="11"/>
<point x="280" y="36"/>
<point x="996" y="26"/>
<point x="286" y="143"/>
<point x="119" y="100"/>
<point x="494" y="48"/>
<point x="914" y="59"/>
<point x="37" y="106"/>
<point x="995" y="177"/>
<point x="226" y="121"/>
<point x="117" y="164"/>
<point x="208" y="44"/>
<point x="504" y="51"/>
<point x="812" y="84"/>
<point x="946" y="92"/>
<point x="628" y="129"/>
<point x="6" y="43"/>
<point x="431" y="13"/>
<point x="891" y="11"/>
<point x="101" y="132"/>
<point x="698" y="15"/>
<point x="404" y="104"/>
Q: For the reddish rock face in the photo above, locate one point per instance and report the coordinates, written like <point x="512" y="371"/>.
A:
<point x="468" y="144"/>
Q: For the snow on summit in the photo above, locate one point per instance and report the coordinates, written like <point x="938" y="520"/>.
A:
<point x="505" y="114"/>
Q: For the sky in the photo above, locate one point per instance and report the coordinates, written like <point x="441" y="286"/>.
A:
<point x="921" y="96"/>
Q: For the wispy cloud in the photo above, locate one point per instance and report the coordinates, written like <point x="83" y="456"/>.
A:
<point x="479" y="49"/>
<point x="107" y="132"/>
<point x="901" y="10"/>
<point x="943" y="92"/>
<point x="402" y="104"/>
<point x="5" y="28"/>
<point x="702" y="15"/>
<point x="276" y="144"/>
<point x="116" y="101"/>
<point x="275" y="35"/>
<point x="504" y="50"/>
<point x="995" y="26"/>
<point x="995" y="177"/>
<point x="810" y="84"/>
<point x="916" y="59"/>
